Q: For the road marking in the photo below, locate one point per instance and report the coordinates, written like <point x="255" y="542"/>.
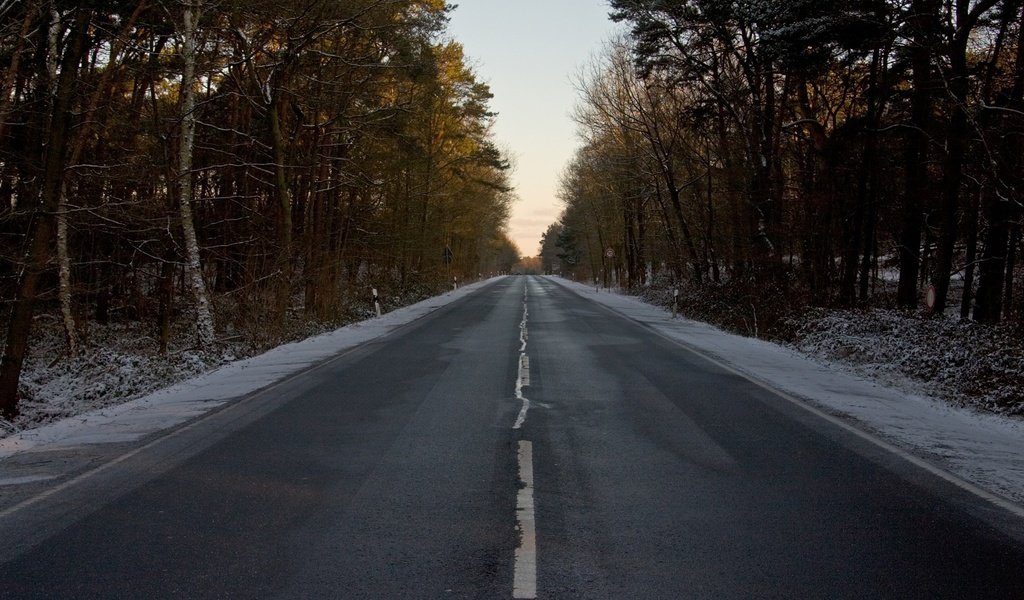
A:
<point x="524" y="334"/>
<point x="523" y="376"/>
<point x="522" y="380"/>
<point x="524" y="581"/>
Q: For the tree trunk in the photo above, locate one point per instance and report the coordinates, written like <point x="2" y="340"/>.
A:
<point x="670" y="233"/>
<point x="166" y="302"/>
<point x="972" y="253"/>
<point x="63" y="257"/>
<point x="988" y="306"/>
<point x="64" y="269"/>
<point x="7" y="91"/>
<point x="42" y="231"/>
<point x="284" y="208"/>
<point x="193" y="266"/>
<point x="952" y="168"/>
<point x="1011" y="265"/>
<point x="861" y="222"/>
<point x="996" y="269"/>
<point x="677" y="209"/>
<point x="916" y="153"/>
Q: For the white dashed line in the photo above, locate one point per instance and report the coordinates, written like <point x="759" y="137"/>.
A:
<point x="524" y="582"/>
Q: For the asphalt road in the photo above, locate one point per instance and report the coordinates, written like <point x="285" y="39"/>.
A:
<point x="397" y="471"/>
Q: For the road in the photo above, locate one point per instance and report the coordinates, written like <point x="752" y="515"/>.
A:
<point x="520" y="442"/>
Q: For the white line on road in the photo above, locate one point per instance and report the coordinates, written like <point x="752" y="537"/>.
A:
<point x="524" y="581"/>
<point x="523" y="377"/>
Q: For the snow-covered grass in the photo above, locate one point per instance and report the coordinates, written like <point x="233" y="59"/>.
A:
<point x="962" y="362"/>
<point x="120" y="361"/>
<point x="830" y="371"/>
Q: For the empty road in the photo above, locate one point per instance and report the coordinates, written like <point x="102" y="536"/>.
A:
<point x="521" y="442"/>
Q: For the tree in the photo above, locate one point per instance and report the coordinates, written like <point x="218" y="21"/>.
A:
<point x="192" y="11"/>
<point x="234" y="154"/>
<point x="43" y="223"/>
<point x="792" y="146"/>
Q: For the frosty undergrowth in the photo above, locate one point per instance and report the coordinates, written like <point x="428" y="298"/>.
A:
<point x="962" y="362"/>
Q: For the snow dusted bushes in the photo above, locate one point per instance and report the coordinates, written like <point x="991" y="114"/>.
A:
<point x="118" y="362"/>
<point x="963" y="361"/>
<point x="740" y="306"/>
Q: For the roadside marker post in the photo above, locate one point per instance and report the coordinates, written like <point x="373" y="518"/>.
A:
<point x="376" y="302"/>
<point x="675" y="302"/>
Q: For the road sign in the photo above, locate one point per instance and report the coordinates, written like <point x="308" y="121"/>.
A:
<point x="609" y="252"/>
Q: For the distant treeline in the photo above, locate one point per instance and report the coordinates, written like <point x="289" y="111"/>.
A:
<point x="808" y="149"/>
<point x="236" y="162"/>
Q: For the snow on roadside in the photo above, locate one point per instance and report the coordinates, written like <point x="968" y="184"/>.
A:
<point x="958" y="360"/>
<point x="984" y="449"/>
<point x="180" y="402"/>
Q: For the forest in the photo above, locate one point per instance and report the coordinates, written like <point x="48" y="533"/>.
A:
<point x="235" y="166"/>
<point x="771" y="157"/>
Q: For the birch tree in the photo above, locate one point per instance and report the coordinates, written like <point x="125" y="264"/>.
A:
<point x="191" y="13"/>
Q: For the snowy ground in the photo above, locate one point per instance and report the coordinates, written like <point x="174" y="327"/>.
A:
<point x="170" y="406"/>
<point x="984" y="449"/>
<point x="960" y="361"/>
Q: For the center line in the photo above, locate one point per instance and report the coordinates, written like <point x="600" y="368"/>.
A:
<point x="524" y="581"/>
<point x="523" y="376"/>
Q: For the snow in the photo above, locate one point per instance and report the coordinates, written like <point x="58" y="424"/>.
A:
<point x="174" y="405"/>
<point x="984" y="449"/>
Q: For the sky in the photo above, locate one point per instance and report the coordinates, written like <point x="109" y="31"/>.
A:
<point x="529" y="51"/>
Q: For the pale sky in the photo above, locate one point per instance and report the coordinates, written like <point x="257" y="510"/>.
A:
<point x="529" y="51"/>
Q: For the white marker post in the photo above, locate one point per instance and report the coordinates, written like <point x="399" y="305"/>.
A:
<point x="455" y="283"/>
<point x="675" y="302"/>
<point x="376" y="302"/>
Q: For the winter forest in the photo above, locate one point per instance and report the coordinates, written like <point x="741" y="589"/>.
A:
<point x="774" y="160"/>
<point x="204" y="172"/>
<point x="808" y="150"/>
<point x="185" y="182"/>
